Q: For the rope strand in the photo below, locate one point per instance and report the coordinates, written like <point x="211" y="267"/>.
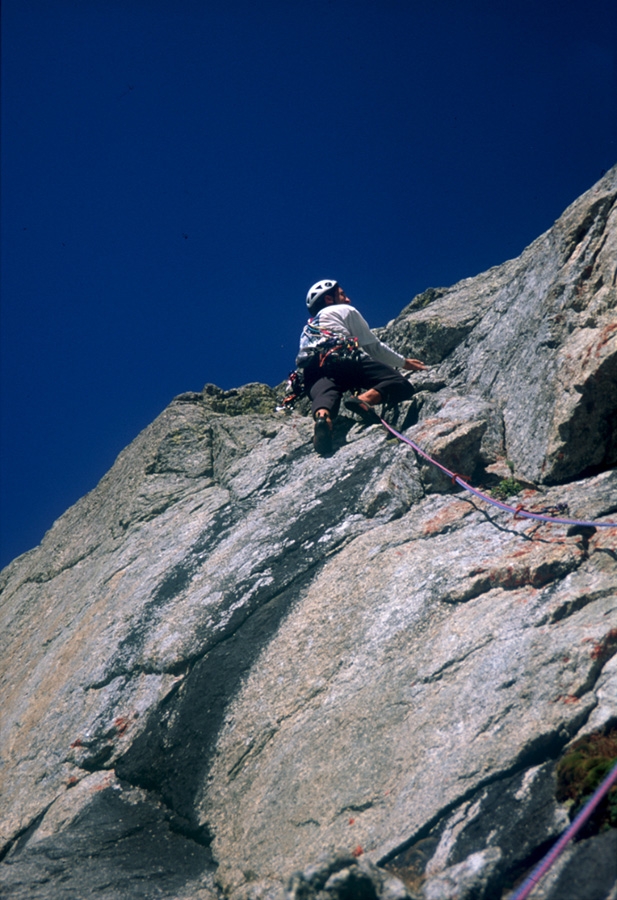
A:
<point x="545" y="863"/>
<point x="517" y="511"/>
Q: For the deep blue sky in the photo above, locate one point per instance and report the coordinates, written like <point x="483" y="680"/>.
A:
<point x="176" y="173"/>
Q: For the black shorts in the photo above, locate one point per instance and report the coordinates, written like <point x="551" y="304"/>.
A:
<point x="326" y="385"/>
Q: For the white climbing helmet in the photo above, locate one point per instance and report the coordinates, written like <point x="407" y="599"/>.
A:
<point x="325" y="286"/>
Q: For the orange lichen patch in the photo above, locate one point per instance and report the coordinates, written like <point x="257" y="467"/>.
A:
<point x="595" y="348"/>
<point x="425" y="427"/>
<point x="115" y="579"/>
<point x="106" y="782"/>
<point x="358" y="851"/>
<point x="525" y="596"/>
<point x="528" y="493"/>
<point x="524" y="551"/>
<point x="531" y="565"/>
<point x="121" y="724"/>
<point x="603" y="539"/>
<point x="446" y="516"/>
<point x="605" y="336"/>
<point x="604" y="649"/>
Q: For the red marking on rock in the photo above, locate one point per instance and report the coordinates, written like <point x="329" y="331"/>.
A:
<point x="605" y="648"/>
<point x="451" y="513"/>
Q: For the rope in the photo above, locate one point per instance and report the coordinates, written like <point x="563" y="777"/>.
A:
<point x="545" y="864"/>
<point x="517" y="511"/>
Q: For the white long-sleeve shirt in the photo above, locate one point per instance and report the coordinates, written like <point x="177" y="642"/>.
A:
<point x="342" y="318"/>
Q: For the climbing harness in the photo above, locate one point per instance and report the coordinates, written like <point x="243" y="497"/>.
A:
<point x="544" y="865"/>
<point x="337" y="348"/>
<point x="519" y="512"/>
<point x="328" y="346"/>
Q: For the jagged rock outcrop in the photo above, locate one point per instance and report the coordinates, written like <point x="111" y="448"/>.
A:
<point x="238" y="669"/>
<point x="536" y="338"/>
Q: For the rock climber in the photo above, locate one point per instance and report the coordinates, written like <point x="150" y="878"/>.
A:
<point x="338" y="353"/>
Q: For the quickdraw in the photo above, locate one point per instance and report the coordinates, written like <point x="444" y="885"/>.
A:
<point x="294" y="389"/>
<point x="338" y="348"/>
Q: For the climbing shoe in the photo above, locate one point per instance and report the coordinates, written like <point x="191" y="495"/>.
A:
<point x="322" y="438"/>
<point x="362" y="409"/>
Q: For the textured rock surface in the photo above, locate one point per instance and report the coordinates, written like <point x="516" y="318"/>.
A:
<point x="238" y="669"/>
<point x="537" y="337"/>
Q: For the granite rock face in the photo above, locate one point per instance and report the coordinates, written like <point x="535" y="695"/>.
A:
<point x="537" y="338"/>
<point x="237" y="669"/>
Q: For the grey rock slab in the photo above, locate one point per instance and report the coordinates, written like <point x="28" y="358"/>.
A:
<point x="468" y="880"/>
<point x="585" y="870"/>
<point x="344" y="877"/>
<point x="515" y="815"/>
<point x="424" y="661"/>
<point x="105" y="839"/>
<point x="590" y="872"/>
<point x="178" y="548"/>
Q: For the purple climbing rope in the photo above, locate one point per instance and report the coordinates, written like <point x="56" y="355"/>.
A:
<point x="517" y="511"/>
<point x="545" y="864"/>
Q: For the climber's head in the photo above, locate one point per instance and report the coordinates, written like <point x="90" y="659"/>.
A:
<point x="324" y="293"/>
